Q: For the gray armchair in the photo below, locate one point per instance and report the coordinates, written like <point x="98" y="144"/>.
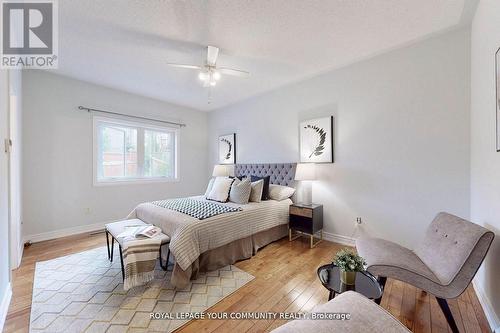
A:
<point x="365" y="316"/>
<point x="443" y="264"/>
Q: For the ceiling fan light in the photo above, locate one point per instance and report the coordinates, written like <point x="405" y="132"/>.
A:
<point x="216" y="75"/>
<point x="203" y="76"/>
<point x="213" y="83"/>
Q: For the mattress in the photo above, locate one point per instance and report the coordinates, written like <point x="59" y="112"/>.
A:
<point x="191" y="237"/>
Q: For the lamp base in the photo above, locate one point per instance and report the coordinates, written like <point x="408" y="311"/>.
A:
<point x="306" y="202"/>
<point x="306" y="197"/>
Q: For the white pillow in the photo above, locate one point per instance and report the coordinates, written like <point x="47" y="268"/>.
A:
<point x="279" y="192"/>
<point x="256" y="192"/>
<point x="209" y="187"/>
<point x="220" y="189"/>
<point x="240" y="191"/>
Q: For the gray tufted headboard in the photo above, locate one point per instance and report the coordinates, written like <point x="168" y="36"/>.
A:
<point x="281" y="173"/>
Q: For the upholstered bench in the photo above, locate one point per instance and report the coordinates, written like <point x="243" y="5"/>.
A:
<point x="116" y="228"/>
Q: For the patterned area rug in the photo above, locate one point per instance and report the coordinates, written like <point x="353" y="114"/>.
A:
<point x="83" y="292"/>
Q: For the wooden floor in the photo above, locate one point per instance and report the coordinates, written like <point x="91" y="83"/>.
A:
<point x="285" y="281"/>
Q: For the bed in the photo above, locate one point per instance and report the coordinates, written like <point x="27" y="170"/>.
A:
<point x="212" y="243"/>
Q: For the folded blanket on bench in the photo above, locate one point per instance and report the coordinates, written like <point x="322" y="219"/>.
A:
<point x="139" y="260"/>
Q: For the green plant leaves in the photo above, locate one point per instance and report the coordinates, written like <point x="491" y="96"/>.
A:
<point x="349" y="261"/>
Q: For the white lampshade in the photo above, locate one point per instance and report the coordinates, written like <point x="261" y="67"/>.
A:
<point x="305" y="171"/>
<point x="223" y="170"/>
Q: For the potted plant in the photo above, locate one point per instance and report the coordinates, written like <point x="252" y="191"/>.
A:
<point x="349" y="263"/>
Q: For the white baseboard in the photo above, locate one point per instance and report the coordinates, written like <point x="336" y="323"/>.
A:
<point x="20" y="252"/>
<point x="4" y="305"/>
<point x="64" y="232"/>
<point x="491" y="316"/>
<point x="16" y="261"/>
<point x="344" y="240"/>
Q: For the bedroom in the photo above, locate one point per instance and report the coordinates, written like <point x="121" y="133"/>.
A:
<point x="147" y="102"/>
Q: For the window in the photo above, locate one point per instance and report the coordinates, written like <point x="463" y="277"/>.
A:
<point x="133" y="152"/>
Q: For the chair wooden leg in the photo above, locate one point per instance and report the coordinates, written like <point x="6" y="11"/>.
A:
<point x="112" y="247"/>
<point x="382" y="280"/>
<point x="443" y="304"/>
<point x="121" y="261"/>
<point x="107" y="244"/>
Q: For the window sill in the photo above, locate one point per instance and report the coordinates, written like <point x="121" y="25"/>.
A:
<point x="137" y="181"/>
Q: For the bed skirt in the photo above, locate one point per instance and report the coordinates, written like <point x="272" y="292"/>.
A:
<point x="225" y="255"/>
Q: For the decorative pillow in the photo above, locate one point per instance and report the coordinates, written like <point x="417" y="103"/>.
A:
<point x="220" y="189"/>
<point x="256" y="193"/>
<point x="240" y="191"/>
<point x="209" y="187"/>
<point x="265" y="189"/>
<point x="279" y="192"/>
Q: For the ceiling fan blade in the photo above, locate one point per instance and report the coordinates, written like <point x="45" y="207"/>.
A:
<point x="212" y="54"/>
<point x="183" y="66"/>
<point x="233" y="71"/>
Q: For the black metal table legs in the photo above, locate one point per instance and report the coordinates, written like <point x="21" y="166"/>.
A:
<point x="382" y="280"/>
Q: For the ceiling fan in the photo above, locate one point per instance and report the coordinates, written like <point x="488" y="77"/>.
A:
<point x="209" y="72"/>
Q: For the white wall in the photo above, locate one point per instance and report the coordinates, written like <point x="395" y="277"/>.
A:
<point x="485" y="161"/>
<point x="57" y="155"/>
<point x="15" y="129"/>
<point x="402" y="136"/>
<point x="4" y="200"/>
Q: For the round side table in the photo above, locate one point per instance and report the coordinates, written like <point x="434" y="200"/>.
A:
<point x="366" y="284"/>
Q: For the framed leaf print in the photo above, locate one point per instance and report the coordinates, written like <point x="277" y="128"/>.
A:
<point x="227" y="149"/>
<point x="316" y="140"/>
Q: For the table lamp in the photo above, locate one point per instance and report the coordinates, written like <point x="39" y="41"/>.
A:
<point x="221" y="170"/>
<point x="306" y="173"/>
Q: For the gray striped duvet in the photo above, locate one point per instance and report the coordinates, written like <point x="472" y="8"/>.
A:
<point x="190" y="237"/>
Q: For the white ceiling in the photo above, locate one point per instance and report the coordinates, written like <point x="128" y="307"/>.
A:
<point x="125" y="44"/>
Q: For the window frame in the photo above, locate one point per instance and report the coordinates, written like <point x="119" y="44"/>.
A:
<point x="140" y="126"/>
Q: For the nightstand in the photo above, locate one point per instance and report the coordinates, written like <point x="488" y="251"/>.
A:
<point x="306" y="219"/>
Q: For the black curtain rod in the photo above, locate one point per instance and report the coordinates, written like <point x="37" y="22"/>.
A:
<point x="126" y="115"/>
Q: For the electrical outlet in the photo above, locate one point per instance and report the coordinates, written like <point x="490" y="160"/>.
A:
<point x="87" y="211"/>
<point x="358" y="220"/>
